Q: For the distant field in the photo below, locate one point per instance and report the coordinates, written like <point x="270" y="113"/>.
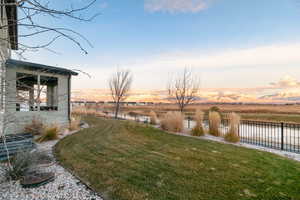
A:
<point x="279" y="109"/>
<point x="287" y="113"/>
<point x="272" y="117"/>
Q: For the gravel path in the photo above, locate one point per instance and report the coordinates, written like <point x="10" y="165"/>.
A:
<point x="64" y="187"/>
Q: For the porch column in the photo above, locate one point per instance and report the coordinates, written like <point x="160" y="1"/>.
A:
<point x="31" y="97"/>
<point x="50" y="95"/>
<point x="38" y="92"/>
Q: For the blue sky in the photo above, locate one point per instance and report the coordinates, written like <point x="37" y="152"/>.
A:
<point x="229" y="43"/>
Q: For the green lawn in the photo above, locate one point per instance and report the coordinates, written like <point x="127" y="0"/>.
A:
<point x="124" y="160"/>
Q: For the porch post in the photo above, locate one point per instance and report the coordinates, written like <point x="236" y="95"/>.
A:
<point x="38" y="92"/>
<point x="31" y="98"/>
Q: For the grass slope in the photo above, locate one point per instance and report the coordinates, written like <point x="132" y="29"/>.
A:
<point x="123" y="160"/>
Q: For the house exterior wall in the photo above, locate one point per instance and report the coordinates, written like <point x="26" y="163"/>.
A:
<point x="16" y="120"/>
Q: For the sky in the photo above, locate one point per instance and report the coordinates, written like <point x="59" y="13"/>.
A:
<point x="227" y="43"/>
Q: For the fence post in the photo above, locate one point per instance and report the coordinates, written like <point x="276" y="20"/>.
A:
<point x="239" y="130"/>
<point x="282" y="136"/>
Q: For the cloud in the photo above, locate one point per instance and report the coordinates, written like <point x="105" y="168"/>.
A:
<point x="271" y="55"/>
<point x="286" y="82"/>
<point x="176" y="6"/>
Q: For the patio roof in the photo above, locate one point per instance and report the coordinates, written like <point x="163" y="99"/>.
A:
<point x="41" y="67"/>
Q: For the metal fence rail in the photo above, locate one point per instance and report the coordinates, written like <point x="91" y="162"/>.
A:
<point x="275" y="135"/>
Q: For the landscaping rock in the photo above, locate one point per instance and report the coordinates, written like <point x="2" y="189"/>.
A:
<point x="65" y="186"/>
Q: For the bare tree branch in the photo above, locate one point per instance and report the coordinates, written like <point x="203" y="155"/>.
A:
<point x="184" y="89"/>
<point x="29" y="22"/>
<point x="119" y="85"/>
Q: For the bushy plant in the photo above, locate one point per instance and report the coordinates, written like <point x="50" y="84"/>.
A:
<point x="172" y="121"/>
<point x="198" y="130"/>
<point x="25" y="162"/>
<point x="153" y="117"/>
<point x="75" y="123"/>
<point x="50" y="133"/>
<point x="20" y="164"/>
<point x="214" y="109"/>
<point x="233" y="133"/>
<point x="36" y="127"/>
<point x="214" y="123"/>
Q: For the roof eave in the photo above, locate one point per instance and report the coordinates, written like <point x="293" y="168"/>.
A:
<point x="35" y="66"/>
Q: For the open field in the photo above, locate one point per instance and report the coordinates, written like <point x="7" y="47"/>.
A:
<point x="272" y="117"/>
<point x="256" y="108"/>
<point x="125" y="160"/>
<point x="285" y="113"/>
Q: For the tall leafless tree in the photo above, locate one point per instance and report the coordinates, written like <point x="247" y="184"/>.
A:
<point x="184" y="89"/>
<point x="119" y="85"/>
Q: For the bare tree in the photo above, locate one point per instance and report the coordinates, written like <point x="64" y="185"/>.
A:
<point x="29" y="17"/>
<point x="184" y="89"/>
<point x="119" y="85"/>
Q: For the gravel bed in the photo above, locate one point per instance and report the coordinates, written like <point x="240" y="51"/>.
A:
<point x="64" y="187"/>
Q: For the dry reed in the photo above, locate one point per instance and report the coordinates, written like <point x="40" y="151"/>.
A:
<point x="153" y="117"/>
<point x="198" y="130"/>
<point x="36" y="127"/>
<point x="50" y="133"/>
<point x="214" y="123"/>
<point x="172" y="121"/>
<point x="75" y="122"/>
<point x="233" y="134"/>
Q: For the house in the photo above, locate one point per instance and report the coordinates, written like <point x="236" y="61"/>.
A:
<point x="29" y="90"/>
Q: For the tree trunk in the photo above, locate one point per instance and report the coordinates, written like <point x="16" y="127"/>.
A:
<point x="181" y="107"/>
<point x="117" y="109"/>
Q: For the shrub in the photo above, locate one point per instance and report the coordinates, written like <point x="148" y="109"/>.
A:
<point x="214" y="123"/>
<point x="36" y="127"/>
<point x="75" y="123"/>
<point x="233" y="134"/>
<point x="172" y="121"/>
<point x="198" y="129"/>
<point x="214" y="109"/>
<point x="21" y="164"/>
<point x="50" y="133"/>
<point x="25" y="162"/>
<point x="153" y="117"/>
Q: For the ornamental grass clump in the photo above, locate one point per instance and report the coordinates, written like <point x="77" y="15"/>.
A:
<point x="214" y="123"/>
<point x="20" y="165"/>
<point x="233" y="133"/>
<point x="50" y="133"/>
<point x="24" y="163"/>
<point x="153" y="117"/>
<point x="172" y="121"/>
<point x="198" y="130"/>
<point x="75" y="122"/>
<point x="36" y="127"/>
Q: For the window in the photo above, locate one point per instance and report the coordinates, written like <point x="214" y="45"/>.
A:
<point x="36" y="93"/>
